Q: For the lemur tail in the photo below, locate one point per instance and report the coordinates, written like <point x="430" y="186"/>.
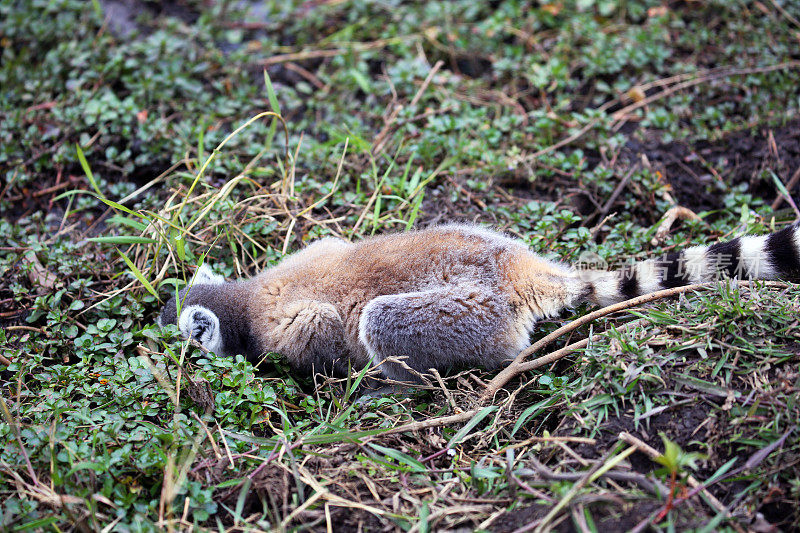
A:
<point x="772" y="256"/>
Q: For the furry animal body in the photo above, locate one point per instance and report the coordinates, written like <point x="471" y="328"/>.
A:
<point x="454" y="295"/>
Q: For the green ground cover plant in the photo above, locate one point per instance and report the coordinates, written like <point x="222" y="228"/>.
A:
<point x="139" y="140"/>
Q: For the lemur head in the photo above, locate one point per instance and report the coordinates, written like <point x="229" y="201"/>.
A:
<point x="211" y="312"/>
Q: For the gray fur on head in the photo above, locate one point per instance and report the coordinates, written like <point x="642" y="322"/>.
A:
<point x="211" y="312"/>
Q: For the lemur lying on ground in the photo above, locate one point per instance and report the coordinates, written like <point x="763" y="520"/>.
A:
<point x="454" y="295"/>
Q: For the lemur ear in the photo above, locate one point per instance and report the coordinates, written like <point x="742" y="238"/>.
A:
<point x="201" y="324"/>
<point x="205" y="275"/>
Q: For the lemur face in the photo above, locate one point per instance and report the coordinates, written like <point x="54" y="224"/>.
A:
<point x="198" y="314"/>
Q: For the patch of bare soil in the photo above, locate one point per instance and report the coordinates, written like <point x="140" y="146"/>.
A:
<point x="122" y="15"/>
<point x="453" y="201"/>
<point x="518" y="518"/>
<point x="699" y="172"/>
<point x="610" y="517"/>
<point x="691" y="168"/>
<point x="683" y="424"/>
<point x="348" y="519"/>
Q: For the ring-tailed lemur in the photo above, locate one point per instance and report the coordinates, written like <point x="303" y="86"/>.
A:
<point x="454" y="295"/>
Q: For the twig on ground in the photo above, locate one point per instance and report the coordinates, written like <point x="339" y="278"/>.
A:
<point x="333" y="52"/>
<point x="554" y="438"/>
<point x="434" y="422"/>
<point x="539" y="469"/>
<point x="26" y="328"/>
<point x="785" y="13"/>
<point x="446" y="392"/>
<point x="556" y="355"/>
<point x="305" y="73"/>
<point x="669" y="219"/>
<point x="618" y="190"/>
<point x="530" y="490"/>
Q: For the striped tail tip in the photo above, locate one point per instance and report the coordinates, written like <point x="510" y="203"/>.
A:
<point x="772" y="256"/>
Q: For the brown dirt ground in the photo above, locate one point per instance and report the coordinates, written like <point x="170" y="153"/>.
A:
<point x="743" y="156"/>
<point x="610" y="518"/>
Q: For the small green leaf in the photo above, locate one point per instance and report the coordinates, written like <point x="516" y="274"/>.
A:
<point x="230" y="483"/>
<point x="779" y="185"/>
<point x="201" y="147"/>
<point x="273" y="99"/>
<point x="106" y="324"/>
<point x="245" y="490"/>
<point x="273" y="103"/>
<point x="703" y="386"/>
<point x="98" y="9"/>
<point x="180" y="247"/>
<point x="675" y="459"/>
<point x="424" y="513"/>
<point x="412" y="217"/>
<point x="669" y="458"/>
<point x="361" y="80"/>
<point x="86" y="465"/>
<point x="37" y="525"/>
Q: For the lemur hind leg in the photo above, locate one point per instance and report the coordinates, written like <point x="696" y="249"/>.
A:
<point x="407" y="334"/>
<point x="313" y="337"/>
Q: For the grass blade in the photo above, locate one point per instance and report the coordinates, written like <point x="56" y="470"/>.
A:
<point x="138" y="274"/>
<point x="273" y="103"/>
<point x="400" y="457"/>
<point x="123" y="239"/>
<point x="88" y="171"/>
<point x="125" y="221"/>
<point x="237" y="517"/>
<point x="463" y="432"/>
<point x="530" y="412"/>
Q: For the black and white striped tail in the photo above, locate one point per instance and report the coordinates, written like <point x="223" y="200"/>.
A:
<point x="773" y="256"/>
